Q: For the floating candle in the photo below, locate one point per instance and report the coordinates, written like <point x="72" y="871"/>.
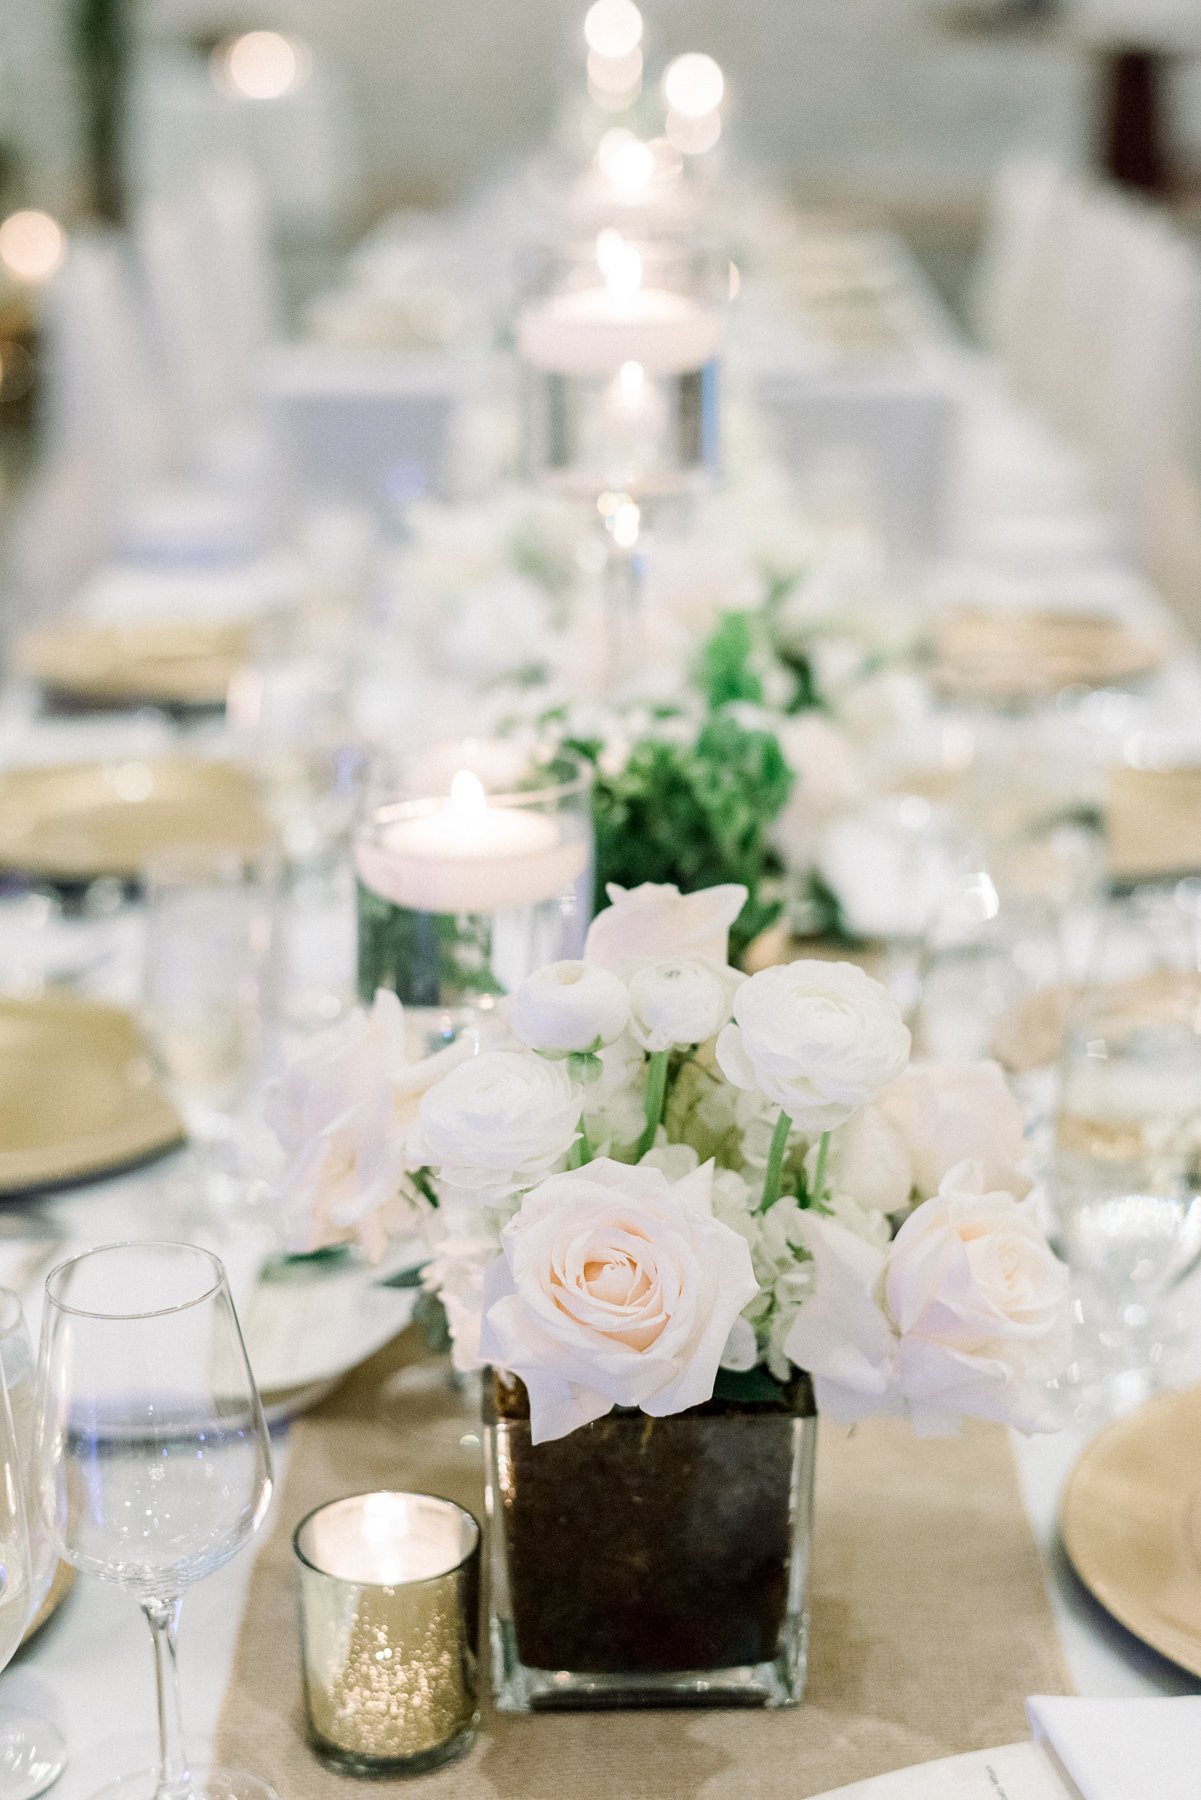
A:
<point x="466" y="855"/>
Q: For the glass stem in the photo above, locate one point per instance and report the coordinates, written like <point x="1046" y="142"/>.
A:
<point x="174" y="1776"/>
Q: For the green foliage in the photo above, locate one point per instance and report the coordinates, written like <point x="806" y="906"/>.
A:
<point x="726" y="673"/>
<point x="696" y="814"/>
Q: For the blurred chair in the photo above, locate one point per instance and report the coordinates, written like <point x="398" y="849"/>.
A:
<point x="111" y="412"/>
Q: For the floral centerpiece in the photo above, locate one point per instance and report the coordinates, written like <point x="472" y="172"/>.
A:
<point x="671" y="1214"/>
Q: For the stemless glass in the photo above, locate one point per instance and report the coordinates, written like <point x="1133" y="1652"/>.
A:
<point x="32" y="1753"/>
<point x="154" y="1464"/>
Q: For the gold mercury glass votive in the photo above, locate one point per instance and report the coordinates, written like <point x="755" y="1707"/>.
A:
<point x="389" y="1616"/>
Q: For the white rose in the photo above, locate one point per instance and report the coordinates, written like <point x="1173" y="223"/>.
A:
<point x="616" y="1288"/>
<point x="569" y="1008"/>
<point x="891" y="867"/>
<point x="645" y="924"/>
<point x="343" y="1112"/>
<point x="965" y="1313"/>
<point x="497" y="1123"/>
<point x="818" y="1039"/>
<point x="981" y="1304"/>
<point x="869" y="1160"/>
<point x="680" y="1001"/>
<point x="948" y="1112"/>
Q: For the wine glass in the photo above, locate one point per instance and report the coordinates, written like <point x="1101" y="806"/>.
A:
<point x="207" y="938"/>
<point x="16" y="1584"/>
<point x="1126" y="1176"/>
<point x="32" y="1753"/>
<point x="153" y="1460"/>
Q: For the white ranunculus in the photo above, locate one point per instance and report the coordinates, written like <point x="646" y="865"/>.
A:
<point x="891" y="867"/>
<point x="617" y="1287"/>
<point x="680" y="1001"/>
<point x="645" y="924"/>
<point x="569" y="1008"/>
<point x="981" y="1304"/>
<point x="497" y="1123"/>
<point x="818" y="1039"/>
<point x="949" y="1112"/>
<point x="343" y="1112"/>
<point x="965" y="1313"/>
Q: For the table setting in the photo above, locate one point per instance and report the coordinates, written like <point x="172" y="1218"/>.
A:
<point x="600" y="1036"/>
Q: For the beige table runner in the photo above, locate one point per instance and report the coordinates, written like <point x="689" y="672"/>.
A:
<point x="930" y="1621"/>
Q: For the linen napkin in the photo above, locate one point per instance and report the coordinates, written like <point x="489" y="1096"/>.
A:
<point x="1124" y="1749"/>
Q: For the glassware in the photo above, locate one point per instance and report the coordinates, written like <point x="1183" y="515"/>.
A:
<point x="620" y="339"/>
<point x="32" y="1753"/>
<point x="389" y="1605"/>
<point x="473" y="869"/>
<point x="153" y="1460"/>
<point x="16" y="1598"/>
<point x="1126" y="1176"/>
<point x="619" y="1572"/>
<point x="208" y="933"/>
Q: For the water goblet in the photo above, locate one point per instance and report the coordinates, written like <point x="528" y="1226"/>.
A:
<point x="153" y="1459"/>
<point x="1126" y="1177"/>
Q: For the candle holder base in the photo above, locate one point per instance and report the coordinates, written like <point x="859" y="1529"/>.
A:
<point x="348" y="1762"/>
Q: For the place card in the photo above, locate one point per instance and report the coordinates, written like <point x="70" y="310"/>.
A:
<point x="1017" y="1772"/>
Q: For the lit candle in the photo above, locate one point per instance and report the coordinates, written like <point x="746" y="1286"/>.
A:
<point x="469" y="856"/>
<point x="389" y="1587"/>
<point x="594" y="331"/>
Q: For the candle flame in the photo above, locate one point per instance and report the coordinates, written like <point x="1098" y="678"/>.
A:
<point x="625" y="161"/>
<point x="627" y="520"/>
<point x="467" y="797"/>
<point x="620" y="264"/>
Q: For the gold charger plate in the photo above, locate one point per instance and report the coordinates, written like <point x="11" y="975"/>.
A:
<point x="1130" y="1520"/>
<point x="77" y="821"/>
<point x="1153" y="823"/>
<point x="1003" y="653"/>
<point x="172" y="663"/>
<point x="60" y="1587"/>
<point x="77" y="1093"/>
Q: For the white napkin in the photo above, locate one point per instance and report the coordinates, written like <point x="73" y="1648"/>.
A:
<point x="1124" y="1749"/>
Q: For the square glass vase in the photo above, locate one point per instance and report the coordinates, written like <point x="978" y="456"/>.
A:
<point x="650" y="1562"/>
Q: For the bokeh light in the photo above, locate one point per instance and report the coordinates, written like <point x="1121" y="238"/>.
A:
<point x="262" y="65"/>
<point x="625" y="161"/>
<point x="614" y="79"/>
<point x="33" y="246"/>
<point x="693" y="85"/>
<point x="613" y="28"/>
<point x="692" y="137"/>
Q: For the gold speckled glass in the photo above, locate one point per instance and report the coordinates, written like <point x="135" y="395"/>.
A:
<point x="389" y="1619"/>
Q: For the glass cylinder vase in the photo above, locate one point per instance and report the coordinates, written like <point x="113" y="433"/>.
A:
<point x="473" y="869"/>
<point x="650" y="1562"/>
<point x="620" y="343"/>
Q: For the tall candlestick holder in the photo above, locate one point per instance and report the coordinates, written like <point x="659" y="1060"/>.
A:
<point x="620" y="341"/>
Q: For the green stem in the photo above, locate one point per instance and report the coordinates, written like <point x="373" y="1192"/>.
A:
<point x="819" y="1172"/>
<point x="581" y="1150"/>
<point x="656" y="1094"/>
<point x="775" y="1163"/>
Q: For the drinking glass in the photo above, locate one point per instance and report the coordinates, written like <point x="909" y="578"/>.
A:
<point x="32" y="1754"/>
<point x="207" y="933"/>
<point x="16" y="1587"/>
<point x="153" y="1460"/>
<point x="1126" y="1176"/>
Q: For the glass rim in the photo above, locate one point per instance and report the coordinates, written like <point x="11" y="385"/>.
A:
<point x="578" y="782"/>
<point x="155" y="1312"/>
<point x="401" y="1493"/>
